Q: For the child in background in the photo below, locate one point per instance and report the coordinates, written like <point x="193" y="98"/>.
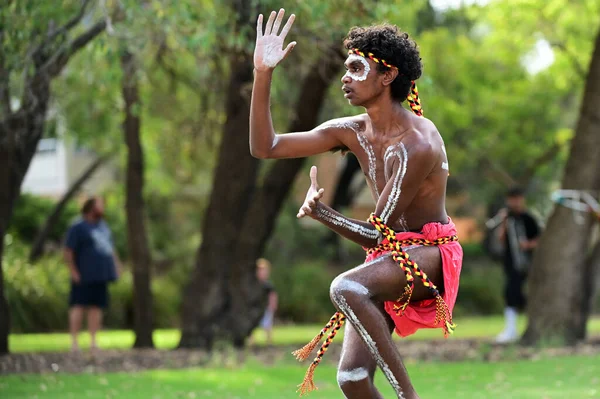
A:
<point x="263" y="271"/>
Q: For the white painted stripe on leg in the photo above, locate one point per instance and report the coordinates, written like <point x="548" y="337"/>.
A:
<point x="354" y="375"/>
<point x="341" y="284"/>
<point x="351" y="316"/>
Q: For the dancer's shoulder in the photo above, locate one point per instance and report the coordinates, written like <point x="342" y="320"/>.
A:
<point x="353" y="124"/>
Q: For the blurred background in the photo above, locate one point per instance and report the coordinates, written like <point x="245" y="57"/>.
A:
<point x="145" y="104"/>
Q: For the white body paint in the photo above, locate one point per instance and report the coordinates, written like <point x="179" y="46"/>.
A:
<point x="445" y="165"/>
<point x="347" y="224"/>
<point x="390" y="205"/>
<point x="342" y="283"/>
<point x="270" y="55"/>
<point x="338" y="286"/>
<point x="344" y="125"/>
<point x="366" y="146"/>
<point x="365" y="72"/>
<point x="351" y="316"/>
<point x="402" y="223"/>
<point x="357" y="374"/>
<point x="389" y="152"/>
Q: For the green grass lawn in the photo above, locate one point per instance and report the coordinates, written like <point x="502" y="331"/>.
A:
<point x="552" y="378"/>
<point x="473" y="327"/>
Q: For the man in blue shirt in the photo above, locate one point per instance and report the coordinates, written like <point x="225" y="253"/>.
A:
<point x="93" y="263"/>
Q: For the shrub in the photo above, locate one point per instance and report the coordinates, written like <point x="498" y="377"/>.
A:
<point x="31" y="212"/>
<point x="303" y="292"/>
<point x="481" y="288"/>
<point x="38" y="294"/>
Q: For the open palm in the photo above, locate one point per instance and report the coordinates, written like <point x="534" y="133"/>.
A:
<point x="269" y="49"/>
<point x="313" y="196"/>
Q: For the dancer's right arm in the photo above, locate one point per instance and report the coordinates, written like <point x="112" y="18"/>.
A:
<point x="362" y="233"/>
<point x="264" y="143"/>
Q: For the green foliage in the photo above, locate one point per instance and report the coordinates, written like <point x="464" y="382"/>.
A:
<point x="303" y="292"/>
<point x="25" y="23"/>
<point x="481" y="288"/>
<point x="31" y="212"/>
<point x="38" y="293"/>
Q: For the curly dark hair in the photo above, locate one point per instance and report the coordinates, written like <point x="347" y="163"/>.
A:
<point x="395" y="47"/>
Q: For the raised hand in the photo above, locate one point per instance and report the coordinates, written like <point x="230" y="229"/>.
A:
<point x="269" y="51"/>
<point x="313" y="196"/>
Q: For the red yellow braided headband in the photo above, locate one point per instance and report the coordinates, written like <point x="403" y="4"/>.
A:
<point x="371" y="56"/>
<point x="413" y="96"/>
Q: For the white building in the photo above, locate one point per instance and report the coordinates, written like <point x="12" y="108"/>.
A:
<point x="57" y="164"/>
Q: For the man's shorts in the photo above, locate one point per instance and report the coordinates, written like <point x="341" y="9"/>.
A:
<point x="89" y="294"/>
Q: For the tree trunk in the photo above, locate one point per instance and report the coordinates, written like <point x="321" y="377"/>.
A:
<point x="38" y="244"/>
<point x="20" y="131"/>
<point x="4" y="310"/>
<point x="10" y="191"/>
<point x="247" y="296"/>
<point x="558" y="268"/>
<point x="137" y="237"/>
<point x="19" y="135"/>
<point x="589" y="288"/>
<point x="205" y="298"/>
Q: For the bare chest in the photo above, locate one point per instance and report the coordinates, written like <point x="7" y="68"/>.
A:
<point x="377" y="158"/>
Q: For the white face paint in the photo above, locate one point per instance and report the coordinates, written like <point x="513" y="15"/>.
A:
<point x="358" y="74"/>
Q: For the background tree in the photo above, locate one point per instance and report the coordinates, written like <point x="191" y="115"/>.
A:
<point x="223" y="296"/>
<point x="37" y="41"/>
<point x="137" y="238"/>
<point x="563" y="270"/>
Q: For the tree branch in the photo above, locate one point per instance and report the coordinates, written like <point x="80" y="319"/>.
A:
<point x="50" y="68"/>
<point x="173" y="74"/>
<point x="70" y="23"/>
<point x="579" y="69"/>
<point x="37" y="53"/>
<point x="544" y="158"/>
<point x="55" y="64"/>
<point x="497" y="171"/>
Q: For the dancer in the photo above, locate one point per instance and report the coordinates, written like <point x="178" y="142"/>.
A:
<point x="409" y="235"/>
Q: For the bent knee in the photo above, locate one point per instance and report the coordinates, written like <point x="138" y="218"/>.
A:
<point x="347" y="379"/>
<point x="344" y="287"/>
